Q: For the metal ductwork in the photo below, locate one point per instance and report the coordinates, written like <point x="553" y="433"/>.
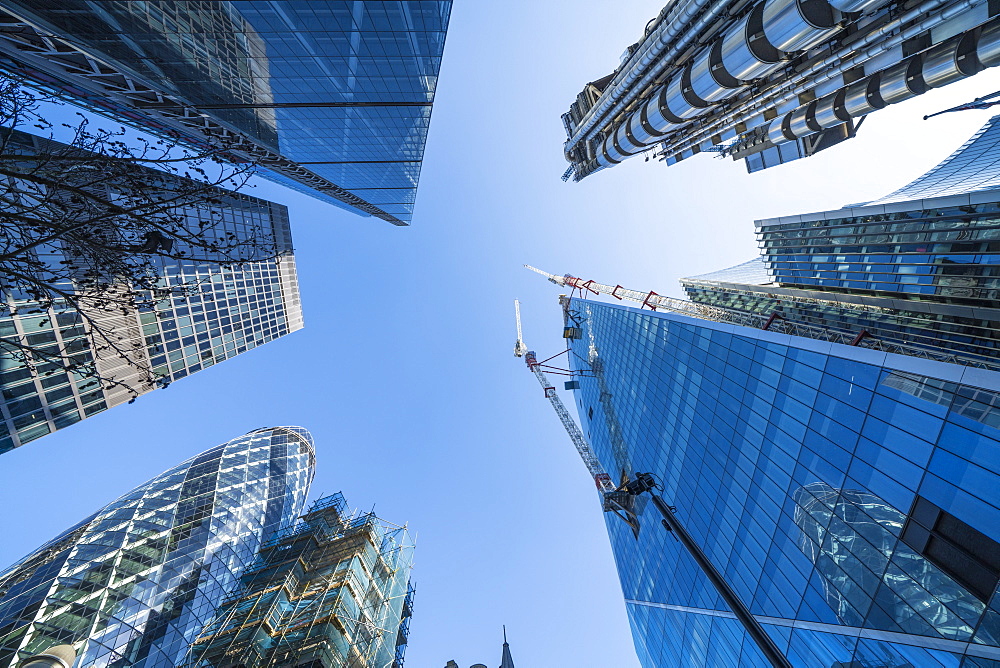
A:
<point x="851" y="6"/>
<point x="681" y="103"/>
<point x="988" y="48"/>
<point x="797" y="25"/>
<point x="942" y="64"/>
<point x="746" y="54"/>
<point x="641" y="130"/>
<point x="777" y="131"/>
<point x="709" y="79"/>
<point x="862" y="97"/>
<point x="951" y="60"/>
<point x="903" y="80"/>
<point x="755" y="46"/>
<point x="830" y="111"/>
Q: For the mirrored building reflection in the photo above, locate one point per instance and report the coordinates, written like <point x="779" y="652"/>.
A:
<point x="332" y="98"/>
<point x="846" y="494"/>
<point x="853" y="537"/>
<point x="134" y="583"/>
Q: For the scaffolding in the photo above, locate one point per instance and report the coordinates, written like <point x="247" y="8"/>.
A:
<point x="332" y="591"/>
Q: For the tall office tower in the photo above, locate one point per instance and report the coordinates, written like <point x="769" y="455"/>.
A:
<point x="134" y="583"/>
<point x="771" y="81"/>
<point x="847" y="495"/>
<point x="200" y="313"/>
<point x="330" y="592"/>
<point x="332" y="98"/>
<point x="916" y="272"/>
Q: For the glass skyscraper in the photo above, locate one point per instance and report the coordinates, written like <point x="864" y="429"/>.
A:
<point x="332" y="591"/>
<point x="199" y="314"/>
<point x="771" y="81"/>
<point x="917" y="271"/>
<point x="134" y="583"/>
<point x="848" y="495"/>
<point x="331" y="97"/>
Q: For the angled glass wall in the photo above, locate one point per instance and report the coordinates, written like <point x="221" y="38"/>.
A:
<point x="134" y="583"/>
<point x="848" y="495"/>
<point x="337" y="94"/>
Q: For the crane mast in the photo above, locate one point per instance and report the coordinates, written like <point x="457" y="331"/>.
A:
<point x="601" y="478"/>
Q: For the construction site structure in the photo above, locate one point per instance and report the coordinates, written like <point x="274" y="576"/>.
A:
<point x="332" y="591"/>
<point x="600" y="476"/>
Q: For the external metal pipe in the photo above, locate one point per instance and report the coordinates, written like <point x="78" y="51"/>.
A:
<point x="805" y="79"/>
<point x="797" y="25"/>
<point x="988" y="48"/>
<point x="657" y="51"/>
<point x="750" y="624"/>
<point x="951" y="60"/>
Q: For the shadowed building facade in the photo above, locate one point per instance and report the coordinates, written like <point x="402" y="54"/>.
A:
<point x="134" y="583"/>
<point x="846" y="494"/>
<point x="200" y="313"/>
<point x="332" y="98"/>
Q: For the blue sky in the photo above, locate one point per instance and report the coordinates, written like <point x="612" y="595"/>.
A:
<point x="404" y="372"/>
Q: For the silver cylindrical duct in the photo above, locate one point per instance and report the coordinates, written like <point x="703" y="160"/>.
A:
<point x="677" y="102"/>
<point x="902" y="81"/>
<point x="830" y="111"/>
<point x="862" y="97"/>
<point x="709" y="79"/>
<point x="796" y="25"/>
<point x="849" y="6"/>
<point x="776" y="131"/>
<point x="658" y="115"/>
<point x="640" y="130"/>
<point x="951" y="60"/>
<point x="746" y="53"/>
<point x="609" y="155"/>
<point x="798" y="120"/>
<point x="988" y="49"/>
<point x="625" y="142"/>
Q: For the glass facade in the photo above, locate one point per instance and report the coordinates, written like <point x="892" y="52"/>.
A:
<point x="950" y="332"/>
<point x="975" y="166"/>
<point x="340" y="89"/>
<point x="948" y="252"/>
<point x="918" y="276"/>
<point x="200" y="314"/>
<point x="331" y="591"/>
<point x="134" y="583"/>
<point x="847" y="495"/>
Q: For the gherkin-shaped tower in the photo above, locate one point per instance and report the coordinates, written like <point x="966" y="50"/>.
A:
<point x="132" y="584"/>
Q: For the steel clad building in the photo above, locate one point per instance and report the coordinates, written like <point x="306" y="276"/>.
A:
<point x="773" y="80"/>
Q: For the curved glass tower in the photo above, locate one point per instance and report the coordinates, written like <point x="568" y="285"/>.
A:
<point x="134" y="583"/>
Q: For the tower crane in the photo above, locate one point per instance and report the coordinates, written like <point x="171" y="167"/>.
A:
<point x="601" y="478"/>
<point x="622" y="499"/>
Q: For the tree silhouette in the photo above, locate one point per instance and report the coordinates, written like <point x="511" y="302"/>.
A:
<point x="90" y="231"/>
